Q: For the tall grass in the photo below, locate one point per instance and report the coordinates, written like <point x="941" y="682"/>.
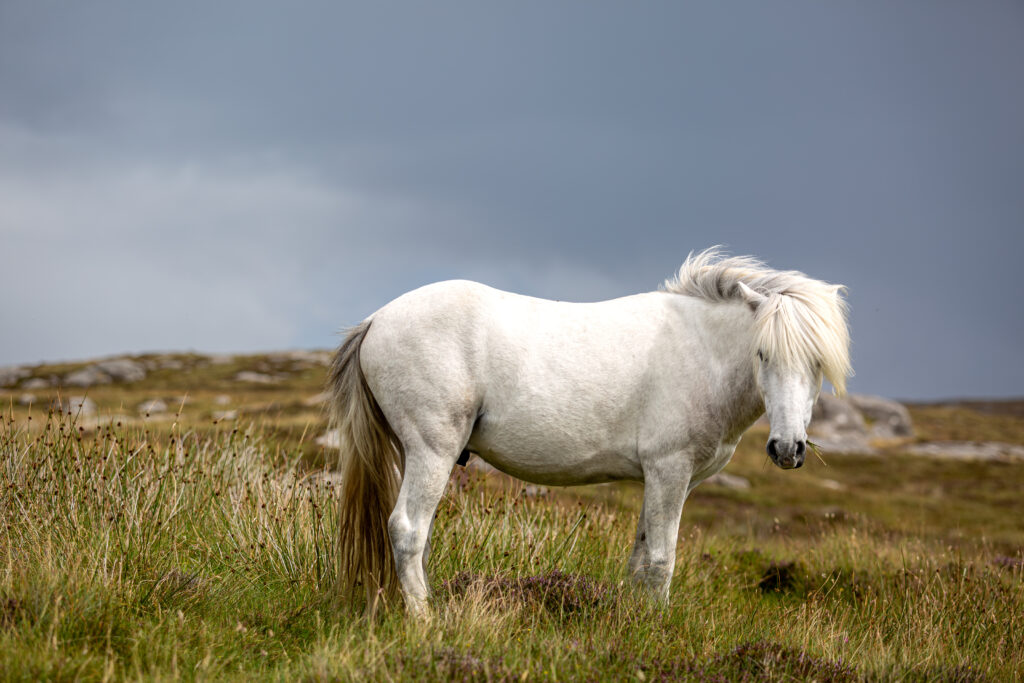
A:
<point x="128" y="553"/>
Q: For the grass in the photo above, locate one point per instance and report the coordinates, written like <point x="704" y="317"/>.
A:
<point x="171" y="547"/>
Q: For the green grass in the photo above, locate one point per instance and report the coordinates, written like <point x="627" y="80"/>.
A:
<point x="169" y="547"/>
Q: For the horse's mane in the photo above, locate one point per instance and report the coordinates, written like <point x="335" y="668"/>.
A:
<point x="802" y="322"/>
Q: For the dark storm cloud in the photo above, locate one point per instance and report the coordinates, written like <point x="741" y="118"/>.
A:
<point x="257" y="175"/>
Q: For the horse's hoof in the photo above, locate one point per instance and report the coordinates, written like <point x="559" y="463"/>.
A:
<point x="418" y="609"/>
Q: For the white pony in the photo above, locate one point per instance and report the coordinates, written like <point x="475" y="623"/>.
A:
<point x="655" y="387"/>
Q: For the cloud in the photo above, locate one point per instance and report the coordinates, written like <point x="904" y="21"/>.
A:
<point x="111" y="257"/>
<point x="255" y="176"/>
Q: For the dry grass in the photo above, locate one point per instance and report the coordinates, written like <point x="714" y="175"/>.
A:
<point x="170" y="547"/>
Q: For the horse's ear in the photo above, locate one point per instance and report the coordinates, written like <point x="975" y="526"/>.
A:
<point x="752" y="298"/>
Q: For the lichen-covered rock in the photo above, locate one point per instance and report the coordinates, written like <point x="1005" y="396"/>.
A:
<point x="970" y="450"/>
<point x="153" y="406"/>
<point x="728" y="481"/>
<point x="330" y="439"/>
<point x="88" y="376"/>
<point x="9" y="376"/>
<point x="122" y="369"/>
<point x="889" y="419"/>
<point x="838" y="427"/>
<point x="838" y="414"/>
<point x="105" y="372"/>
<point x="75" y="405"/>
<point x="255" y="377"/>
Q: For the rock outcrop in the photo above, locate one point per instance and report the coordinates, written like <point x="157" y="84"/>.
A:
<point x="728" y="481"/>
<point x="75" y="405"/>
<point x="970" y="450"/>
<point x="9" y="376"/>
<point x="889" y="419"/>
<point x="255" y="377"/>
<point x="152" y="407"/>
<point x="105" y="372"/>
<point x="838" y="427"/>
<point x="122" y="369"/>
<point x="88" y="376"/>
<point x="851" y="424"/>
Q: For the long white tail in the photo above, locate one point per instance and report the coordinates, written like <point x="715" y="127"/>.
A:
<point x="372" y="461"/>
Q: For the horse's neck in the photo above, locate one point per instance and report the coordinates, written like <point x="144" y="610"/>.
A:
<point x="736" y="397"/>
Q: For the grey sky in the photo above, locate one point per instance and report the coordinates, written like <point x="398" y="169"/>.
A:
<point x="244" y="176"/>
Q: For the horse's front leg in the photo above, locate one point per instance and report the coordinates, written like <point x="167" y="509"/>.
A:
<point x="638" y="560"/>
<point x="666" y="481"/>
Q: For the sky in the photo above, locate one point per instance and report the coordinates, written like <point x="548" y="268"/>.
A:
<point x="245" y="176"/>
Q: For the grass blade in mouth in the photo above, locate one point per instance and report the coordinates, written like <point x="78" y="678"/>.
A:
<point x="816" y="449"/>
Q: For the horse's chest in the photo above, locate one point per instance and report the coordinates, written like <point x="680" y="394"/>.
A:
<point x="712" y="463"/>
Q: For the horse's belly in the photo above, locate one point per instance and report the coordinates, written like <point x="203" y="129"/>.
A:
<point x="560" y="464"/>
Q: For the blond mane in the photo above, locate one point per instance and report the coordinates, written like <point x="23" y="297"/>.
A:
<point x="802" y="322"/>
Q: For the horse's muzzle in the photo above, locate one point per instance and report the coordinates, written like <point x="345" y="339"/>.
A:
<point x="787" y="454"/>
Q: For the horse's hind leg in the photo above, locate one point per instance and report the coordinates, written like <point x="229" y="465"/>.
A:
<point x="426" y="474"/>
<point x="427" y="468"/>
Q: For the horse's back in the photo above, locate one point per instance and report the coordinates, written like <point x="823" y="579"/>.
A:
<point x="469" y="328"/>
<point x="554" y="390"/>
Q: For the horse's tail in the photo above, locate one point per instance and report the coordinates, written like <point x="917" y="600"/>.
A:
<point x="371" y="463"/>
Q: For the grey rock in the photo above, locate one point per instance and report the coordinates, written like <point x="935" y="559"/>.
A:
<point x="37" y="383"/>
<point x="330" y="439"/>
<point x="26" y="399"/>
<point x="152" y="406"/>
<point x="842" y="443"/>
<point x="480" y="465"/>
<point x="9" y="376"/>
<point x="75" y="405"/>
<point x="837" y="414"/>
<point x="311" y="357"/>
<point x="970" y="450"/>
<point x="728" y="481"/>
<point x="225" y="415"/>
<point x="890" y="419"/>
<point x="316" y="400"/>
<point x="122" y="369"/>
<point x="838" y="427"/>
<point x="88" y="376"/>
<point x="222" y="400"/>
<point x="255" y="377"/>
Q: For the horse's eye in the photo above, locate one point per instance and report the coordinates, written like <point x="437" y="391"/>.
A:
<point x="760" y="355"/>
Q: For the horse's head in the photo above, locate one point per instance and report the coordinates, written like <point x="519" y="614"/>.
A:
<point x="789" y="394"/>
<point x="799" y="339"/>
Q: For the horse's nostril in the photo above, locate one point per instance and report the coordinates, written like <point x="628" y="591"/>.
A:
<point x="771" y="448"/>
<point x="800" y="448"/>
